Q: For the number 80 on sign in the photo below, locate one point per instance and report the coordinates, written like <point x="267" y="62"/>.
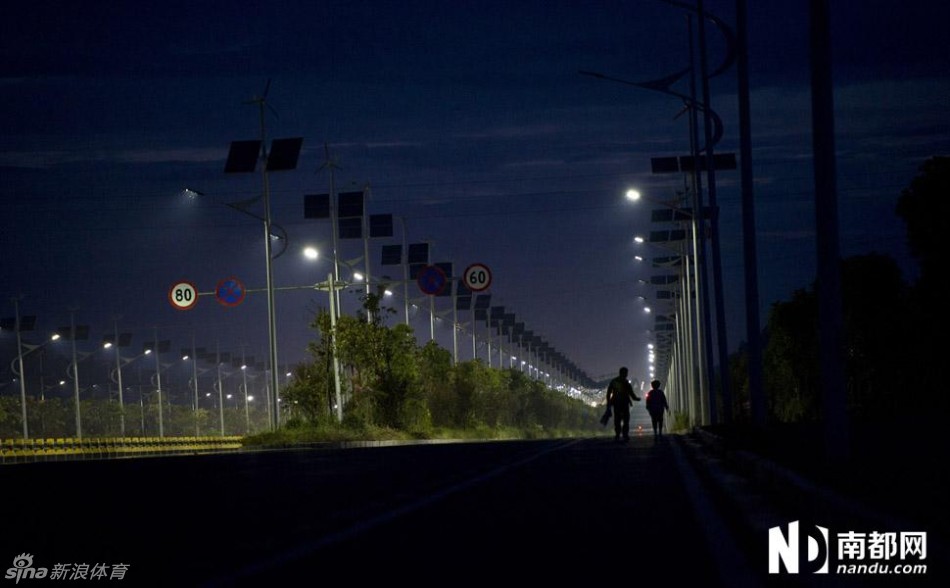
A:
<point x="183" y="295"/>
<point x="477" y="277"/>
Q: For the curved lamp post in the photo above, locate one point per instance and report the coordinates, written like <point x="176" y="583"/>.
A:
<point x="712" y="133"/>
<point x="18" y="368"/>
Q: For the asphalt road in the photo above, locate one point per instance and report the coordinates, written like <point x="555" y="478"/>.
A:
<point x="518" y="512"/>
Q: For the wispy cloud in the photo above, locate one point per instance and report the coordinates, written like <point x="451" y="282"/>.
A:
<point x="513" y="132"/>
<point x="50" y="159"/>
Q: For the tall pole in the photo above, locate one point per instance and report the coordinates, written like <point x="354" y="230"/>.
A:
<point x="405" y="269"/>
<point x="118" y="371"/>
<point x="721" y="333"/>
<point x="75" y="366"/>
<point x="194" y="379"/>
<point x="220" y="385"/>
<point x="331" y="287"/>
<point x="455" y="325"/>
<point x="158" y="385"/>
<point x="705" y="351"/>
<point x="474" y="338"/>
<point x="247" y="410"/>
<point x="753" y="329"/>
<point x="334" y="229"/>
<point x="366" y="264"/>
<point x="830" y="332"/>
<point x="271" y="314"/>
<point x="19" y="351"/>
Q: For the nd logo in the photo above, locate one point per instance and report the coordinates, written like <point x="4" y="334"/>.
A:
<point x="787" y="548"/>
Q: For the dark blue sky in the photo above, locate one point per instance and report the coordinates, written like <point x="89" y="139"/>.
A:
<point x="469" y="121"/>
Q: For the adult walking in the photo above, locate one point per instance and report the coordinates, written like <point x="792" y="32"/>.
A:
<point x="620" y="396"/>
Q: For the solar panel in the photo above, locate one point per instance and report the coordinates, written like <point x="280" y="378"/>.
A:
<point x="418" y="253"/>
<point x="669" y="215"/>
<point x="380" y="225"/>
<point x="284" y="154"/>
<point x="316" y="206"/>
<point x="391" y="255"/>
<point x="446" y="267"/>
<point x="720" y="161"/>
<point x="664" y="165"/>
<point x="351" y="204"/>
<point x="243" y="156"/>
<point x="82" y="333"/>
<point x="415" y="268"/>
<point x="350" y="228"/>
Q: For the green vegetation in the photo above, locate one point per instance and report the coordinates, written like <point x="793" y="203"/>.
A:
<point x="680" y="422"/>
<point x="393" y="388"/>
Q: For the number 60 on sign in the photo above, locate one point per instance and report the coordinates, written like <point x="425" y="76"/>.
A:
<point x="477" y="277"/>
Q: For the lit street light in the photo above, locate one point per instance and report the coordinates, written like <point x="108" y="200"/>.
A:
<point x="18" y="370"/>
<point x="700" y="343"/>
<point x="118" y="341"/>
<point x="332" y="287"/>
<point x="688" y="331"/>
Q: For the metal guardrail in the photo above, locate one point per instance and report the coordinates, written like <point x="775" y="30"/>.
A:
<point x="68" y="448"/>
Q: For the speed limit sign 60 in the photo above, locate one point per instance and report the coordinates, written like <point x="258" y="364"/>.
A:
<point x="183" y="295"/>
<point x="477" y="277"/>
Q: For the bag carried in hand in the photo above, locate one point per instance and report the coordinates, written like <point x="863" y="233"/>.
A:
<point x="607" y="414"/>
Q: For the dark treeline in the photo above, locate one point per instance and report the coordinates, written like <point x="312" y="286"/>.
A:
<point x="895" y="329"/>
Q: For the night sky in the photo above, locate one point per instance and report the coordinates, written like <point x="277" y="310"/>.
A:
<point x="469" y="121"/>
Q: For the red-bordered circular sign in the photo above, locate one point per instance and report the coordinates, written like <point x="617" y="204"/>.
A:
<point x="183" y="295"/>
<point x="477" y="277"/>
<point x="432" y="280"/>
<point x="230" y="292"/>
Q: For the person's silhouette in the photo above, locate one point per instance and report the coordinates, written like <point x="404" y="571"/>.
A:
<point x="657" y="406"/>
<point x="620" y="396"/>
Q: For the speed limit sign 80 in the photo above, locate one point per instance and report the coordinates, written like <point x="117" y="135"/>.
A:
<point x="183" y="295"/>
<point x="477" y="277"/>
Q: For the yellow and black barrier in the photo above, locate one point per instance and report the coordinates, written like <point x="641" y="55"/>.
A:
<point x="69" y="448"/>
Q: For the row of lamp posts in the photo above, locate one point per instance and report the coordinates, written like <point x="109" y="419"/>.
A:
<point x="704" y="157"/>
<point x="115" y="342"/>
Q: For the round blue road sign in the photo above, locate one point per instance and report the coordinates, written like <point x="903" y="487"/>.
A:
<point x="431" y="280"/>
<point x="230" y="292"/>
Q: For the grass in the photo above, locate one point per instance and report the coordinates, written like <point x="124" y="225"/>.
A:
<point x="311" y="435"/>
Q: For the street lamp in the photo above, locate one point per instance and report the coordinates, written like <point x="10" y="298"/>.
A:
<point x="701" y="345"/>
<point x="116" y="376"/>
<point x="689" y="331"/>
<point x="243" y="157"/>
<point x="331" y="286"/>
<point x="18" y="369"/>
<point x="712" y="131"/>
<point x="273" y="232"/>
<point x="118" y="341"/>
<point x="75" y="332"/>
